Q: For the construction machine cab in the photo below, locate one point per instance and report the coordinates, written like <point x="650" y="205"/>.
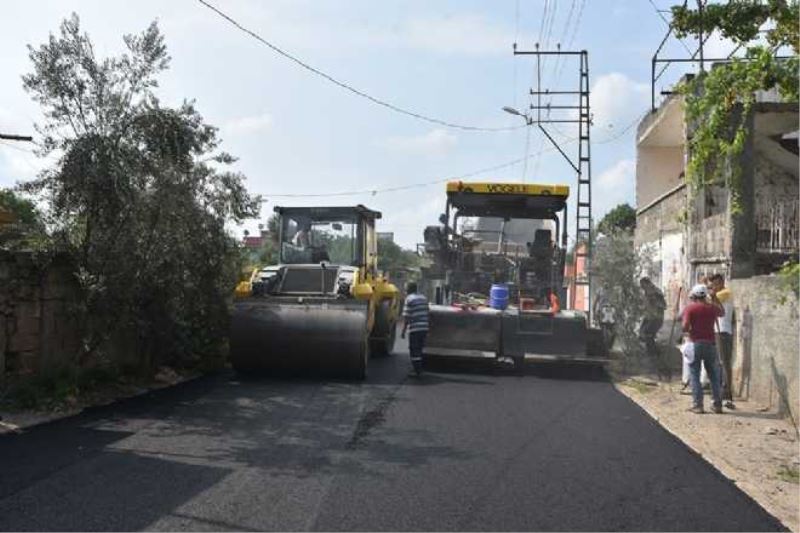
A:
<point x="533" y="267"/>
<point x="343" y="236"/>
<point x="323" y="305"/>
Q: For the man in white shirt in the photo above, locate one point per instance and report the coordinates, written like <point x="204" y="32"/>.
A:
<point x="725" y="336"/>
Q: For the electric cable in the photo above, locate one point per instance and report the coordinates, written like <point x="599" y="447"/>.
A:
<point x="373" y="192"/>
<point x="347" y="86"/>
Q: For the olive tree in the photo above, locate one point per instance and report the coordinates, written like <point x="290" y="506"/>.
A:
<point x="618" y="266"/>
<point x="139" y="195"/>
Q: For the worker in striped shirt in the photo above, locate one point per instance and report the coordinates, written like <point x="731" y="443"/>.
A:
<point x="415" y="321"/>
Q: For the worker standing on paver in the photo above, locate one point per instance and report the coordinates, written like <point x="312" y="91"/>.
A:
<point x="415" y="321"/>
<point x="699" y="318"/>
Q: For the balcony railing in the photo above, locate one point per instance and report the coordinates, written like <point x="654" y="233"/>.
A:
<point x="777" y="227"/>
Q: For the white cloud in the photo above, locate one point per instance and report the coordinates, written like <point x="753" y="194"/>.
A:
<point x="619" y="175"/>
<point x="17" y="165"/>
<point x="248" y="125"/>
<point x="436" y="142"/>
<point x="718" y="47"/>
<point x="616" y="101"/>
<point x="615" y="185"/>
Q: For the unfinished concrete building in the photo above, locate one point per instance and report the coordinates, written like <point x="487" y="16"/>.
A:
<point x="690" y="234"/>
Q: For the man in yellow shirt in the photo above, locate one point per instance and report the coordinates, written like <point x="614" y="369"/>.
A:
<point x="725" y="336"/>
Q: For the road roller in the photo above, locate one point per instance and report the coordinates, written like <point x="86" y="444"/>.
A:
<point x="324" y="306"/>
<point x="496" y="277"/>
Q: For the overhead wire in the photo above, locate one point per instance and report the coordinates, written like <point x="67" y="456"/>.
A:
<point x="540" y="45"/>
<point x="347" y="86"/>
<point x="514" y="61"/>
<point x="375" y="191"/>
<point x="15" y="147"/>
<point x="527" y="152"/>
<point x="669" y="24"/>
<point x="564" y="35"/>
<point x="578" y="19"/>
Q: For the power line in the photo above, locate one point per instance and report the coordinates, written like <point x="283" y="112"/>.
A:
<point x="577" y="24"/>
<point x="15" y="147"/>
<point x="668" y="23"/>
<point x="563" y="37"/>
<point x="624" y="130"/>
<point x="501" y="166"/>
<point x="542" y="23"/>
<point x="527" y="152"/>
<point x="373" y="192"/>
<point x="514" y="63"/>
<point x="551" y="24"/>
<point x="348" y="87"/>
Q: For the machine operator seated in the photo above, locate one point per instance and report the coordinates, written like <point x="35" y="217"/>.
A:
<point x="300" y="249"/>
<point x="542" y="245"/>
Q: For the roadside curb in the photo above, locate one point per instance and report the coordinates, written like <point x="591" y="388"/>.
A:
<point x="27" y="420"/>
<point x="752" y="490"/>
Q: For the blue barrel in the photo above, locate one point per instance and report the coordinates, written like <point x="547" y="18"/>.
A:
<point x="498" y="296"/>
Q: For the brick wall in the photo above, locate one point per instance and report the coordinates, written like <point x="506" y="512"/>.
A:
<point x="766" y="354"/>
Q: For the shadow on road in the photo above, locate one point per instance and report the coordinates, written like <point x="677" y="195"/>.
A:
<point x="67" y="479"/>
<point x="550" y="371"/>
<point x="128" y="464"/>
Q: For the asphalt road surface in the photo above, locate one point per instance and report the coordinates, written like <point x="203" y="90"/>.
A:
<point x="463" y="448"/>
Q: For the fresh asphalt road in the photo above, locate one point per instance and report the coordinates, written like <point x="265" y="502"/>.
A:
<point x="462" y="448"/>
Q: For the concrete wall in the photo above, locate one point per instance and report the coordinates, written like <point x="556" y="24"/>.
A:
<point x="658" y="169"/>
<point x="766" y="362"/>
<point x="660" y="231"/>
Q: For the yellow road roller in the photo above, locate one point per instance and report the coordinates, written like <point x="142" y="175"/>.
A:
<point x="324" y="306"/>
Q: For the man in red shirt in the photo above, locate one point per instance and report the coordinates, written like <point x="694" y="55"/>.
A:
<point x="699" y="318"/>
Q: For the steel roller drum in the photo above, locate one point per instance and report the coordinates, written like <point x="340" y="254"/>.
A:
<point x="284" y="334"/>
<point x="463" y="333"/>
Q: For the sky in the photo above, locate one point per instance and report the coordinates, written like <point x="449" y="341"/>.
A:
<point x="296" y="133"/>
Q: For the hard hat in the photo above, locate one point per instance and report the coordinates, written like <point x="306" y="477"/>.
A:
<point x="698" y="291"/>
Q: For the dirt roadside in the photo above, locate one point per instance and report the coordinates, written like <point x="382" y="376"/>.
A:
<point x="17" y="420"/>
<point x="754" y="448"/>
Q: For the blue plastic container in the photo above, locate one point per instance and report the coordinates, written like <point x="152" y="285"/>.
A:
<point x="498" y="296"/>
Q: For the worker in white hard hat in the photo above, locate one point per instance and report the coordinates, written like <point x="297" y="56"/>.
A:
<point x="699" y="319"/>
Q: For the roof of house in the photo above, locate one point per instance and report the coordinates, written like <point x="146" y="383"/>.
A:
<point x="253" y="242"/>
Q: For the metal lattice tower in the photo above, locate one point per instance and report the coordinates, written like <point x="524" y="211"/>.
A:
<point x="565" y="114"/>
<point x="583" y="216"/>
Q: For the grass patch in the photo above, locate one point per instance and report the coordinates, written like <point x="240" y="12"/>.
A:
<point x="638" y="386"/>
<point x="57" y="389"/>
<point x="789" y="474"/>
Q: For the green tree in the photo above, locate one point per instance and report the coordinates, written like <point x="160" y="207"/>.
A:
<point x="621" y="218"/>
<point x="139" y="196"/>
<point x="617" y="267"/>
<point x="273" y="228"/>
<point x="21" y="223"/>
<point x="719" y="101"/>
<point x="391" y="256"/>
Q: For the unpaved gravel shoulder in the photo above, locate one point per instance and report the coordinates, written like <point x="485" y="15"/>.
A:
<point x="752" y="447"/>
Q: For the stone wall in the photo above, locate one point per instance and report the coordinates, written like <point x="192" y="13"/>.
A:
<point x="766" y="358"/>
<point x="38" y="330"/>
